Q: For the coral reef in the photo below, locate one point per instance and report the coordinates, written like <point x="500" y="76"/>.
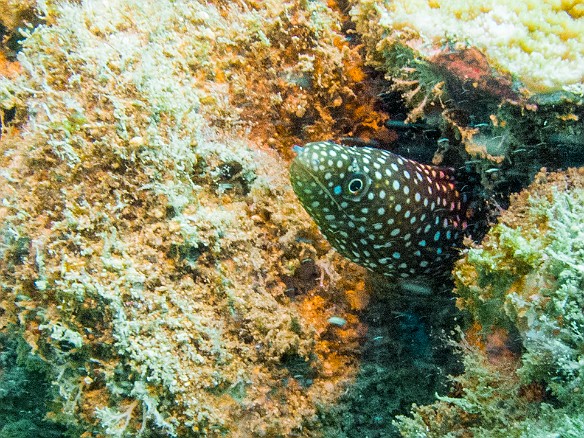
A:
<point x="159" y="278"/>
<point x="523" y="289"/>
<point x="502" y="83"/>
<point x="501" y="117"/>
<point x="541" y="44"/>
<point x="151" y="250"/>
<point x="16" y="17"/>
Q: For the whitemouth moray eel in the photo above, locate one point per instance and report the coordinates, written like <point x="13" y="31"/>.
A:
<point x="392" y="215"/>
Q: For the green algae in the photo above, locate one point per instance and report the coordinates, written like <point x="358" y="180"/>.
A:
<point x="526" y="278"/>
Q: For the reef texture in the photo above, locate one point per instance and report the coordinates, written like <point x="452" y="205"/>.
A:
<point x="502" y="82"/>
<point x="523" y="288"/>
<point x="540" y="44"/>
<point x="15" y="14"/>
<point x="153" y="256"/>
<point x="159" y="277"/>
<point x="15" y="17"/>
<point x="473" y="72"/>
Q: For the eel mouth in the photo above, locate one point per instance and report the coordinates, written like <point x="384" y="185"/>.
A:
<point x="299" y="170"/>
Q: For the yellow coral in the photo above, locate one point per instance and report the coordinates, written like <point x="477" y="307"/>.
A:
<point x="541" y="43"/>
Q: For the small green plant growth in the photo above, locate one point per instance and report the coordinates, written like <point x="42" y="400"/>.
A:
<point x="526" y="278"/>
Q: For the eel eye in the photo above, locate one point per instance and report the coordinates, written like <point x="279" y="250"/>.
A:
<point x="356" y="185"/>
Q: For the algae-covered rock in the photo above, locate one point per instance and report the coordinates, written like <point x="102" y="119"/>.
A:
<point x="16" y="16"/>
<point x="531" y="267"/>
<point x="159" y="277"/>
<point x="148" y="239"/>
<point x="523" y="289"/>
